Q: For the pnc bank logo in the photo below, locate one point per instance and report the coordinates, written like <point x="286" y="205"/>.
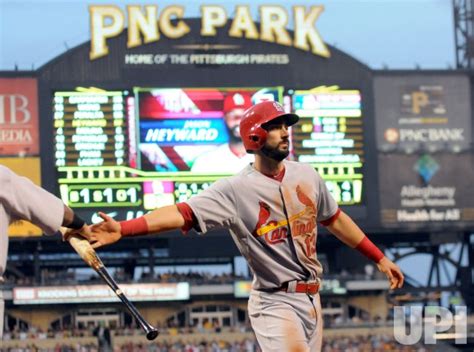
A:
<point x="426" y="167"/>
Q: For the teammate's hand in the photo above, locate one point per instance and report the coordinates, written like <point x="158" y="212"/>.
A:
<point x="393" y="272"/>
<point x="105" y="232"/>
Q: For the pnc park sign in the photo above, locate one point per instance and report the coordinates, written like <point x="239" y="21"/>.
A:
<point x="145" y="24"/>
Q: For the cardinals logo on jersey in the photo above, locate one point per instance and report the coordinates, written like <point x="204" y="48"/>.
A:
<point x="274" y="231"/>
<point x="304" y="199"/>
<point x="305" y="224"/>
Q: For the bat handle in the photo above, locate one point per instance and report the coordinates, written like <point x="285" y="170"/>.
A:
<point x="151" y="332"/>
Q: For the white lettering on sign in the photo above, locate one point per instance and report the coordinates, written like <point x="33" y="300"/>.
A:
<point x="155" y="135"/>
<point x="432" y="135"/>
<point x="422" y="215"/>
<point x="15" y="136"/>
<point x="14" y="109"/>
<point x="207" y="59"/>
<point x="428" y="192"/>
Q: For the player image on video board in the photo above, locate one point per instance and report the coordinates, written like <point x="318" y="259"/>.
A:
<point x="195" y="129"/>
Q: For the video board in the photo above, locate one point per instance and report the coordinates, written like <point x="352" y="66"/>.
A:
<point x="330" y="137"/>
<point x="127" y="152"/>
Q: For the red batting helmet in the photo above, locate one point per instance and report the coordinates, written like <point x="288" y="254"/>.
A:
<point x="251" y="131"/>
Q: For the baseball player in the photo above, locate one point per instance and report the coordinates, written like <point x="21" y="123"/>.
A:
<point x="229" y="157"/>
<point x="21" y="199"/>
<point x="271" y="209"/>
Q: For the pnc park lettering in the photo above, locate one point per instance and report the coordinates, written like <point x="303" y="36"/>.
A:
<point x="146" y="25"/>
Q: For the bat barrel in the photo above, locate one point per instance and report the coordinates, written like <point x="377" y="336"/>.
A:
<point x="151" y="332"/>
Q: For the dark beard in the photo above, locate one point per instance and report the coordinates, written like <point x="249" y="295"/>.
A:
<point x="233" y="133"/>
<point x="275" y="153"/>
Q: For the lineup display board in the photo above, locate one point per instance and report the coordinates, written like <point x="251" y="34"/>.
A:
<point x="330" y="137"/>
<point x="128" y="152"/>
<point x="90" y="128"/>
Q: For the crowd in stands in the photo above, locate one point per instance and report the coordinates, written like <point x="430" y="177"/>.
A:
<point x="183" y="340"/>
<point x="339" y="344"/>
<point x="371" y="343"/>
<point x="70" y="277"/>
<point x="33" y="333"/>
<point x="194" y="277"/>
<point x="49" y="278"/>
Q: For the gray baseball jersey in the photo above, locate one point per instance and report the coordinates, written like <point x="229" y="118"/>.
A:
<point x="21" y="199"/>
<point x="273" y="223"/>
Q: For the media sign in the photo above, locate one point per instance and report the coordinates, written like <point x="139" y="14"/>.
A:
<point x="18" y="117"/>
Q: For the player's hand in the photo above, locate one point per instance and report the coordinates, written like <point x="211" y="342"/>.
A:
<point x="393" y="272"/>
<point x="66" y="233"/>
<point x="105" y="232"/>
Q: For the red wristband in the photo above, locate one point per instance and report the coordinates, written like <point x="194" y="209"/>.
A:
<point x="134" y="227"/>
<point x="370" y="250"/>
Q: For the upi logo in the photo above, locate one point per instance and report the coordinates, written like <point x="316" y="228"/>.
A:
<point x="432" y="322"/>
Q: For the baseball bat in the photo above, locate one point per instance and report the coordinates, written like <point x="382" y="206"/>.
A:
<point x="88" y="254"/>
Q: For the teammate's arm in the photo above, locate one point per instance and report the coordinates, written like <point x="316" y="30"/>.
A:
<point x="159" y="220"/>
<point x="23" y="200"/>
<point x="348" y="232"/>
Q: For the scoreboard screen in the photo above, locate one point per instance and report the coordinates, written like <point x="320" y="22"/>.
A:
<point x="90" y="128"/>
<point x="127" y="152"/>
<point x="329" y="136"/>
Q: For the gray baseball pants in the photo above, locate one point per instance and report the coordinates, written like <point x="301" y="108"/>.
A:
<point x="284" y="321"/>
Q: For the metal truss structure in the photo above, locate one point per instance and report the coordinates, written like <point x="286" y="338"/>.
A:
<point x="463" y="11"/>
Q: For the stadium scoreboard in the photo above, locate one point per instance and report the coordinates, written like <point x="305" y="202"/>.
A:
<point x="132" y="151"/>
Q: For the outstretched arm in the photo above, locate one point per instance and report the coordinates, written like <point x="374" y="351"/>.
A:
<point x="159" y="220"/>
<point x="348" y="232"/>
<point x="23" y="200"/>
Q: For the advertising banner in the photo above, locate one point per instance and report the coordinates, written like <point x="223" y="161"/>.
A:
<point x="19" y="134"/>
<point x="100" y="293"/>
<point x="426" y="190"/>
<point x="422" y="113"/>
